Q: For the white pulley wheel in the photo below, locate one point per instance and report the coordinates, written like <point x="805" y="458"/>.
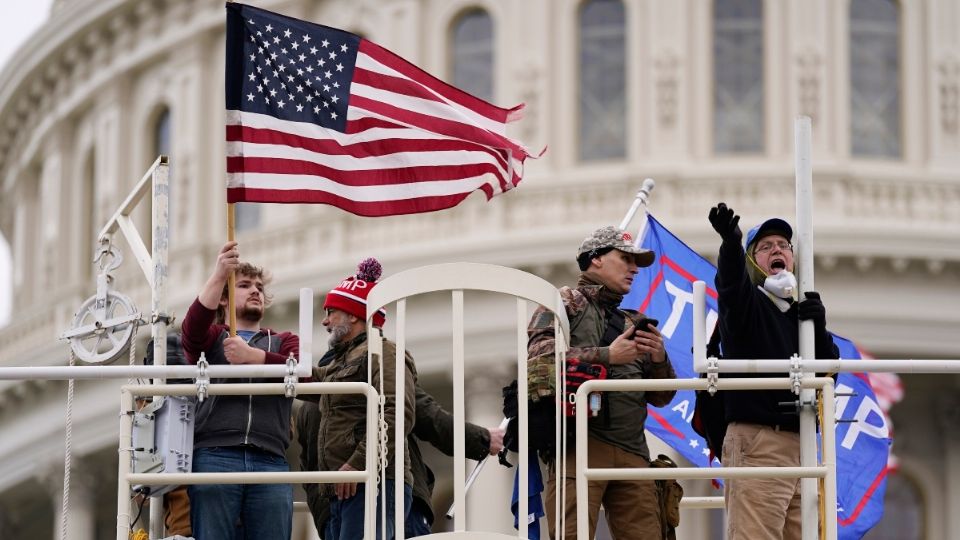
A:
<point x="102" y="339"/>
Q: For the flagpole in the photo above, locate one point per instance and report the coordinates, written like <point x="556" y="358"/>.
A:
<point x="643" y="195"/>
<point x="232" y="278"/>
<point x="809" y="506"/>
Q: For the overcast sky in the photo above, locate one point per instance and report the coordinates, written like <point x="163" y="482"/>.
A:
<point x="19" y="20"/>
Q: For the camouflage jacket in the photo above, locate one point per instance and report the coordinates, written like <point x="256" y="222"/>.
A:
<point x="341" y="434"/>
<point x="622" y="424"/>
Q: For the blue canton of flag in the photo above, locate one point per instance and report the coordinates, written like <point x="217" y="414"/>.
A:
<point x="664" y="291"/>
<point x="291" y="72"/>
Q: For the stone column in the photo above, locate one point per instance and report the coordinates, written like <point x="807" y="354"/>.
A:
<point x="948" y="409"/>
<point x="81" y="516"/>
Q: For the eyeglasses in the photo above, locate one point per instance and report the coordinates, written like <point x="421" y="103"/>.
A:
<point x="767" y="246"/>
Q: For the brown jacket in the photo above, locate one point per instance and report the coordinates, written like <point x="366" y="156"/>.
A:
<point x="341" y="436"/>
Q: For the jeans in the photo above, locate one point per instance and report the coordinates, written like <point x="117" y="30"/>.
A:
<point x="346" y="516"/>
<point x="417" y="523"/>
<point x="235" y="511"/>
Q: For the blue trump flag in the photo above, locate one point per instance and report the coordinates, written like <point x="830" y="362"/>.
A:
<point x="664" y="291"/>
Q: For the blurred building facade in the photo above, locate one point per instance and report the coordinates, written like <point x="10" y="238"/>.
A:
<point x="698" y="94"/>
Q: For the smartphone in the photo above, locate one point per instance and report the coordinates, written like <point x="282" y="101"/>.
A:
<point x="646" y="323"/>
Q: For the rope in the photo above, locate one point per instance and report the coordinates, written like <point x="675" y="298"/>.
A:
<point x="67" y="454"/>
<point x="383" y="444"/>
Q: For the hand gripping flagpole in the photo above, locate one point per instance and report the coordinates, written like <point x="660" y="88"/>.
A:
<point x="476" y="472"/>
<point x="232" y="278"/>
<point x="643" y="195"/>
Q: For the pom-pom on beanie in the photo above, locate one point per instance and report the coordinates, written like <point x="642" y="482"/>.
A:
<point x="350" y="295"/>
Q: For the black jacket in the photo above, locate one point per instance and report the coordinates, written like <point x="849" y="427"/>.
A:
<point x="753" y="327"/>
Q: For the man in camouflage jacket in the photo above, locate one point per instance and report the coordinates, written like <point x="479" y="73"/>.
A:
<point x="602" y="333"/>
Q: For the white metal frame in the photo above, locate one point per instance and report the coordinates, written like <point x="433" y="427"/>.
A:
<point x="457" y="277"/>
<point x="827" y="470"/>
<point x="125" y="478"/>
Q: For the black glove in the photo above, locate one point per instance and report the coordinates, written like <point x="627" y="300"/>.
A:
<point x="811" y="309"/>
<point x="726" y="223"/>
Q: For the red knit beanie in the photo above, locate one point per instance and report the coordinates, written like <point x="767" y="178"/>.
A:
<point x="350" y="295"/>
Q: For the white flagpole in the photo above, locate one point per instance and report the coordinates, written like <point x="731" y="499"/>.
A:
<point x="809" y="506"/>
<point x="643" y="195"/>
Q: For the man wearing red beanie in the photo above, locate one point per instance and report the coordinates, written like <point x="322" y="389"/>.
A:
<point x="341" y="434"/>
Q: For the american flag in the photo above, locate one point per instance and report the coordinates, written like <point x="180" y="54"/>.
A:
<point x="319" y="115"/>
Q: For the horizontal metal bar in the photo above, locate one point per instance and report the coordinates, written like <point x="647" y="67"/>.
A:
<point x="764" y="383"/>
<point x="705" y="473"/>
<point x="701" y="502"/>
<point x="63" y="373"/>
<point x="248" y="389"/>
<point x="841" y="366"/>
<point x="292" y="477"/>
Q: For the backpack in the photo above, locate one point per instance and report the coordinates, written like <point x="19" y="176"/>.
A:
<point x="669" y="494"/>
<point x="709" y="413"/>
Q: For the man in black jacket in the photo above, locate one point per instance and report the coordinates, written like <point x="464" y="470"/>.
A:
<point x="758" y="319"/>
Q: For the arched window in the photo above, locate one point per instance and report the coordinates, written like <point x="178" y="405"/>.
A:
<point x="738" y="76"/>
<point x="603" y="80"/>
<point x="875" y="78"/>
<point x="903" y="511"/>
<point x="472" y="47"/>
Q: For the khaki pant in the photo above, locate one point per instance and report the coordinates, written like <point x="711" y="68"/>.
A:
<point x="761" y="508"/>
<point x="176" y="507"/>
<point x="632" y="509"/>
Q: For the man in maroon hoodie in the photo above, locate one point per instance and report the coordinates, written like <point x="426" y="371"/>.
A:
<point x="239" y="433"/>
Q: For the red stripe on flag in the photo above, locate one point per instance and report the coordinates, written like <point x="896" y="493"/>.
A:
<point x="362" y="124"/>
<point x="865" y="499"/>
<point x="393" y="84"/>
<point x="382" y="147"/>
<point x="663" y="422"/>
<point x="441" y="126"/>
<point x="686" y="275"/>
<point x="653" y="287"/>
<point x="365" y="209"/>
<point x="374" y="177"/>
<point x="451" y="93"/>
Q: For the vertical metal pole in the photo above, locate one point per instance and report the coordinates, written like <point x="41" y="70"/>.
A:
<point x="523" y="468"/>
<point x="305" y="366"/>
<point x="399" y="410"/>
<point x="803" y="262"/>
<point x="123" y="465"/>
<point x="583" y="523"/>
<point x="373" y="437"/>
<point x="459" y="461"/>
<point x="699" y="326"/>
<point x="830" y="460"/>
<point x="160" y="249"/>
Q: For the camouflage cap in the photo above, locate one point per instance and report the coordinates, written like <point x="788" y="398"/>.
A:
<point x="616" y="238"/>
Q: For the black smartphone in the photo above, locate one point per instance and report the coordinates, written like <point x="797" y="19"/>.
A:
<point x="646" y="323"/>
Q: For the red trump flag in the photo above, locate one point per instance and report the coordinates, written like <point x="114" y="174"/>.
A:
<point x="319" y="115"/>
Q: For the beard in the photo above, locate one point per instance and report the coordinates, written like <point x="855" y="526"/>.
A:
<point x="250" y="313"/>
<point x="337" y="334"/>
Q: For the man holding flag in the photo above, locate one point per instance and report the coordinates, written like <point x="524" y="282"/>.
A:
<point x="758" y="319"/>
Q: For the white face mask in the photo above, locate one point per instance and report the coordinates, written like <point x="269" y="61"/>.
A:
<point x="782" y="285"/>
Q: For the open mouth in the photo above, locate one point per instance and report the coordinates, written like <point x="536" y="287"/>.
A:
<point x="778" y="264"/>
